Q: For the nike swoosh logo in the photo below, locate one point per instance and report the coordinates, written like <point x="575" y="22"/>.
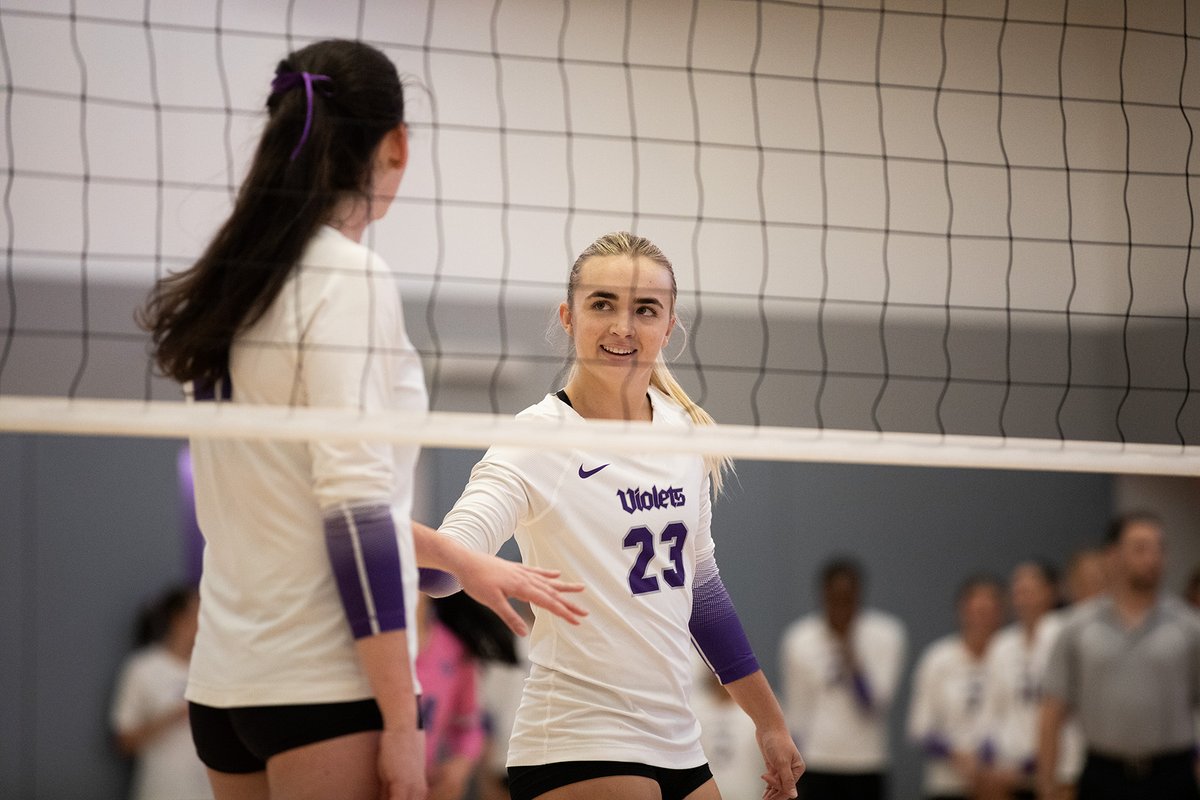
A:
<point x="587" y="473"/>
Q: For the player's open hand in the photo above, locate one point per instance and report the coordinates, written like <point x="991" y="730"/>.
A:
<point x="491" y="580"/>
<point x="783" y="762"/>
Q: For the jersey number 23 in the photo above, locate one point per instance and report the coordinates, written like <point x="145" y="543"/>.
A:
<point x="674" y="536"/>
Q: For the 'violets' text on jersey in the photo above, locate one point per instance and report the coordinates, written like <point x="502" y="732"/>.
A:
<point x="634" y="499"/>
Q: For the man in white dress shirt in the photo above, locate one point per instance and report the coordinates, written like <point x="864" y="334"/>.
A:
<point x="840" y="670"/>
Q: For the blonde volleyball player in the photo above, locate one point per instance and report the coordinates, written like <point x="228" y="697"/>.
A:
<point x="301" y="678"/>
<point x="605" y="711"/>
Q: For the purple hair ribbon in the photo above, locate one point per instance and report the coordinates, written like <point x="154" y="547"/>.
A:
<point x="285" y="81"/>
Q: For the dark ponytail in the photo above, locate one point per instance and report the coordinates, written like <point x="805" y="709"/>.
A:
<point x="192" y="316"/>
<point x="483" y="633"/>
<point x="154" y="619"/>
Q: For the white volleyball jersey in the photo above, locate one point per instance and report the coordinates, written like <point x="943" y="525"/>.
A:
<point x="949" y="689"/>
<point x="272" y="627"/>
<point x="834" y="732"/>
<point x="1016" y="668"/>
<point x="630" y="528"/>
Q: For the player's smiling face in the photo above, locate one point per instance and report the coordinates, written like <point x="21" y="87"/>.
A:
<point x="621" y="316"/>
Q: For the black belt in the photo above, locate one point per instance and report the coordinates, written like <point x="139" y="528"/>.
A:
<point x="1144" y="766"/>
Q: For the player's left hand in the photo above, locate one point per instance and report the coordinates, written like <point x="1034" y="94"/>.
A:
<point x="783" y="762"/>
<point x="491" y="580"/>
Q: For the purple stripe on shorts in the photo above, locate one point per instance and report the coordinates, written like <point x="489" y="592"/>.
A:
<point x="716" y="629"/>
<point x="365" y="558"/>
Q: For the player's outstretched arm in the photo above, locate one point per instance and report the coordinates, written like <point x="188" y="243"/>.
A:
<point x="491" y="580"/>
<point x="784" y="766"/>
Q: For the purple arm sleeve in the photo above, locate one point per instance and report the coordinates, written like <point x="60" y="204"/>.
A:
<point x="366" y="566"/>
<point x="862" y="692"/>
<point x="436" y="583"/>
<point x="716" y="629"/>
<point x="189" y="527"/>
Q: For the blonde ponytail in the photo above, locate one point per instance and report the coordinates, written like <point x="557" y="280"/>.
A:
<point x="663" y="379"/>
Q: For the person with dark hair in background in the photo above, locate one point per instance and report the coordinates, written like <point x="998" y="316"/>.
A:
<point x="840" y="671"/>
<point x="301" y="684"/>
<point x="1016" y="665"/>
<point x="1127" y="665"/>
<point x="1087" y="576"/>
<point x="456" y="635"/>
<point x="946" y="716"/>
<point x="149" y="715"/>
<point x="1086" y="579"/>
<point x="1191" y="592"/>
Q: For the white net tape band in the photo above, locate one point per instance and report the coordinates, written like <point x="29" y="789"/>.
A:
<point x="56" y="415"/>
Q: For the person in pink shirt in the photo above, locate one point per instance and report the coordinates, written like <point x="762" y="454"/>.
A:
<point x="455" y="635"/>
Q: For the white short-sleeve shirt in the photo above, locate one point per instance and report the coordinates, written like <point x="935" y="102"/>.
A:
<point x="949" y="688"/>
<point x="150" y="687"/>
<point x="1016" y="666"/>
<point x="833" y="733"/>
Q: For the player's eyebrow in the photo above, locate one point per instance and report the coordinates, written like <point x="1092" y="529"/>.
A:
<point x="603" y="294"/>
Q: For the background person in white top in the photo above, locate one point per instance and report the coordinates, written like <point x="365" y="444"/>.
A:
<point x="301" y="683"/>
<point x="605" y="708"/>
<point x="728" y="738"/>
<point x="945" y="717"/>
<point x="1016" y="664"/>
<point x="149" y="714"/>
<point x="840" y="670"/>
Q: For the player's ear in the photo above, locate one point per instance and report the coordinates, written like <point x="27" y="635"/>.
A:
<point x="564" y="317"/>
<point x="395" y="143"/>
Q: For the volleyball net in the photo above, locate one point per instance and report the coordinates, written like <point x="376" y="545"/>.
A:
<point x="905" y="234"/>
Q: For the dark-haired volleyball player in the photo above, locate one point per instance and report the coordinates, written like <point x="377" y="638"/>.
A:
<point x="604" y="711"/>
<point x="301" y="680"/>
